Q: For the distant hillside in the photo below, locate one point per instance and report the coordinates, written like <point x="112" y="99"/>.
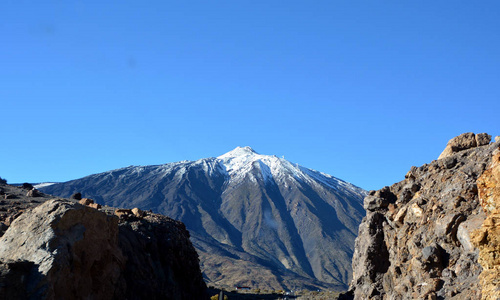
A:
<point x="255" y="220"/>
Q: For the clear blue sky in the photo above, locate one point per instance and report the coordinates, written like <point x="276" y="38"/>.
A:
<point x="361" y="90"/>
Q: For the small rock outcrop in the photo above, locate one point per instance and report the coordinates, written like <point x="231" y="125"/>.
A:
<point x="465" y="141"/>
<point x="434" y="235"/>
<point x="33" y="193"/>
<point x="76" y="196"/>
<point x="65" y="250"/>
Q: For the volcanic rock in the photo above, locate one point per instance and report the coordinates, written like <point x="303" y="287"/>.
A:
<point x="424" y="237"/>
<point x="74" y="247"/>
<point x="76" y="196"/>
<point x="33" y="193"/>
<point x="487" y="238"/>
<point x="27" y="186"/>
<point x="65" y="250"/>
<point x="13" y="279"/>
<point x="465" y="141"/>
<point x="138" y="213"/>
<point x="86" y="201"/>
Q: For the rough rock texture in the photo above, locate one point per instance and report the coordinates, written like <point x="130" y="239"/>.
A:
<point x="465" y="141"/>
<point x="415" y="241"/>
<point x="162" y="263"/>
<point x="13" y="279"/>
<point x="74" y="247"/>
<point x="487" y="238"/>
<point x="16" y="203"/>
<point x="65" y="250"/>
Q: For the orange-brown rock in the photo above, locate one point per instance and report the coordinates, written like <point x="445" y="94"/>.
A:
<point x="95" y="205"/>
<point x="123" y="213"/>
<point x="89" y="202"/>
<point x="33" y="193"/>
<point x="86" y="201"/>
<point x="487" y="238"/>
<point x="489" y="185"/>
<point x="465" y="141"/>
<point x="138" y="213"/>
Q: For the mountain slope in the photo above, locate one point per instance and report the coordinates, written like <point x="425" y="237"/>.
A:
<point x="255" y="220"/>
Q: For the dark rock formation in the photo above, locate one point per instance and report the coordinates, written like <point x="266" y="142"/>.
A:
<point x="417" y="240"/>
<point x="14" y="284"/>
<point x="27" y="186"/>
<point x="64" y="250"/>
<point x="162" y="263"/>
<point x="76" y="196"/>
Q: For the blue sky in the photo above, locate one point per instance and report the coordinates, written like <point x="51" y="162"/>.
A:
<point x="359" y="90"/>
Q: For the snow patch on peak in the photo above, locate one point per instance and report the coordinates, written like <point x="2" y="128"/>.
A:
<point x="266" y="171"/>
<point x="241" y="160"/>
<point x="239" y="151"/>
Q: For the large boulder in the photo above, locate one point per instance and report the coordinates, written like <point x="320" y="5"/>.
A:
<point x="65" y="250"/>
<point x="75" y="249"/>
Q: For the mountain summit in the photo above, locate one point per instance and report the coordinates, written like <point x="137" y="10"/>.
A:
<point x="239" y="151"/>
<point x="255" y="220"/>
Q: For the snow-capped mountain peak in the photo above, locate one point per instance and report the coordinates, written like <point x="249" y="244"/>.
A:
<point x="237" y="152"/>
<point x="241" y="160"/>
<point x="257" y="212"/>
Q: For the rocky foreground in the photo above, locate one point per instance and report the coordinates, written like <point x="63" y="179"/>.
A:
<point x="61" y="249"/>
<point x="436" y="234"/>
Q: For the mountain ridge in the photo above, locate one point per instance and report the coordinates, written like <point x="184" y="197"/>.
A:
<point x="256" y="220"/>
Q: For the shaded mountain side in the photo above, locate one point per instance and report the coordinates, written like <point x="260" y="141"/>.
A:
<point x="434" y="235"/>
<point x="250" y="216"/>
<point x="60" y="249"/>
